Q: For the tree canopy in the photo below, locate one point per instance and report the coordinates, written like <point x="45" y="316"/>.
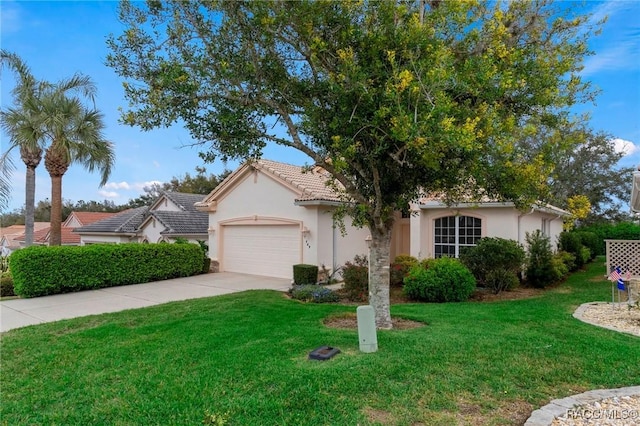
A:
<point x="392" y="98"/>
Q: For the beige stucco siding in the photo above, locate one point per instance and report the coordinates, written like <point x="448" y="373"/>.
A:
<point x="260" y="200"/>
<point x="500" y="222"/>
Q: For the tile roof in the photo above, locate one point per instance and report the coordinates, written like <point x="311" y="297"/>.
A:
<point x="184" y="200"/>
<point x="314" y="183"/>
<point x="85" y="218"/>
<point x="182" y="223"/>
<point x="125" y="222"/>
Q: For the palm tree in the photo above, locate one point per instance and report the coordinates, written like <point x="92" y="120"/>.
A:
<point x="76" y="136"/>
<point x="21" y="124"/>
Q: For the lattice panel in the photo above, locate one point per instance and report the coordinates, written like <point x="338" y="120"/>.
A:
<point x="625" y="254"/>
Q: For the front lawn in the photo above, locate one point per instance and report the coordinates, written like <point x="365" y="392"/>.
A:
<point x="243" y="357"/>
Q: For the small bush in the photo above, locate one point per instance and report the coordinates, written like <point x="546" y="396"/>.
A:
<point x="562" y="263"/>
<point x="305" y="274"/>
<point x="589" y="240"/>
<point x="540" y="266"/>
<point x="6" y="285"/>
<point x="356" y="279"/>
<point x="446" y="280"/>
<point x="313" y="293"/>
<point x="493" y="254"/>
<point x="570" y="242"/>
<point x="400" y="268"/>
<point x="501" y="280"/>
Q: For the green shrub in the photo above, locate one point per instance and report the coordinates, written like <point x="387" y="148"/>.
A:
<point x="400" y="268"/>
<point x="589" y="240"/>
<point x="571" y="243"/>
<point x="493" y="254"/>
<point x="206" y="265"/>
<point x="42" y="270"/>
<point x="313" y="293"/>
<point x="608" y="231"/>
<point x="562" y="263"/>
<point x="540" y="267"/>
<point x="305" y="274"/>
<point x="6" y="285"/>
<point x="356" y="279"/>
<point x="501" y="280"/>
<point x="446" y="280"/>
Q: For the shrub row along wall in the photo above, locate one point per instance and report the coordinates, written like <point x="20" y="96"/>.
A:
<point x="38" y="270"/>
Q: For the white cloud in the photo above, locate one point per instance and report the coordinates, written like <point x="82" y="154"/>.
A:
<point x="140" y="186"/>
<point x="625" y="147"/>
<point x="615" y="58"/>
<point x="117" y="185"/>
<point x="108" y="194"/>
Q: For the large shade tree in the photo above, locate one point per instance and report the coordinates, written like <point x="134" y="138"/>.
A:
<point x="392" y="98"/>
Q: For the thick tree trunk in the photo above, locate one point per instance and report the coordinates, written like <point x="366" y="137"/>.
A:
<point x="55" y="233"/>
<point x="379" y="277"/>
<point x="29" y="206"/>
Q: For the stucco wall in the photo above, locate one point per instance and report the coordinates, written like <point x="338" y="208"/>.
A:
<point x="260" y="198"/>
<point x="501" y="222"/>
<point x="104" y="239"/>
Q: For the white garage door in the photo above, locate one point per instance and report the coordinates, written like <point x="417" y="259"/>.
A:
<point x="268" y="250"/>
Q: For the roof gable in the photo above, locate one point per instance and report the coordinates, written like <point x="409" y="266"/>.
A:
<point x="180" y="201"/>
<point x="76" y="219"/>
<point x="125" y="222"/>
<point x="307" y="184"/>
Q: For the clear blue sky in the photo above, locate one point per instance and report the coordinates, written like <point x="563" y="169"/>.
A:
<point x="60" y="38"/>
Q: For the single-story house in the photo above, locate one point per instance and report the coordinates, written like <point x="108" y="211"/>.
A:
<point x="10" y="236"/>
<point x="172" y="215"/>
<point x="267" y="216"/>
<point x="68" y="238"/>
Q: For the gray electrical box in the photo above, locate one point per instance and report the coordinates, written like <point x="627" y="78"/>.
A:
<point x="367" y="329"/>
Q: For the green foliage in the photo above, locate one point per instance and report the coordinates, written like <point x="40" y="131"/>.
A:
<point x="611" y="231"/>
<point x="570" y="242"/>
<point x="356" y="279"/>
<point x="6" y="285"/>
<point x="446" y="280"/>
<point x="563" y="263"/>
<point x="540" y="270"/>
<point x="313" y="293"/>
<point x="493" y="254"/>
<point x="42" y="270"/>
<point x="400" y="268"/>
<point x="591" y="241"/>
<point x="305" y="274"/>
<point x="500" y="280"/>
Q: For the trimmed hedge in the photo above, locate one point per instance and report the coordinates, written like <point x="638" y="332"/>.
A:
<point x="41" y="270"/>
<point x="305" y="274"/>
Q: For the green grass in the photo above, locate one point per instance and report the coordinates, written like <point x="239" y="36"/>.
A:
<point x="246" y="355"/>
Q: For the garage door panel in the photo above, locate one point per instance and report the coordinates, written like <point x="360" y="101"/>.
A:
<point x="268" y="250"/>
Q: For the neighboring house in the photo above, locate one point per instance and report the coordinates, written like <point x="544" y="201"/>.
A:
<point x="74" y="220"/>
<point x="267" y="216"/>
<point x="171" y="216"/>
<point x="9" y="236"/>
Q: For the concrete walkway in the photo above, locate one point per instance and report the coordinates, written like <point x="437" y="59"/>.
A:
<point x="17" y="313"/>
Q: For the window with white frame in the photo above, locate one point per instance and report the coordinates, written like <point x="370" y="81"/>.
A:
<point x="454" y="233"/>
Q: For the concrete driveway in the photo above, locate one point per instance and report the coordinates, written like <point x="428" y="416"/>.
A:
<point x="17" y="313"/>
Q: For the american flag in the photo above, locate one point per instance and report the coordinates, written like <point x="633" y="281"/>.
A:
<point x="616" y="274"/>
